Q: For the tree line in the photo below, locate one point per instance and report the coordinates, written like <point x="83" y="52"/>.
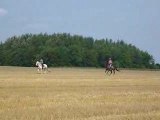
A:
<point x="63" y="49"/>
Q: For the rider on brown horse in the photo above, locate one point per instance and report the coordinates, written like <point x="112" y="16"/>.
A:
<point x="110" y="67"/>
<point x="110" y="63"/>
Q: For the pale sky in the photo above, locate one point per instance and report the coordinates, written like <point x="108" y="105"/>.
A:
<point x="134" y="21"/>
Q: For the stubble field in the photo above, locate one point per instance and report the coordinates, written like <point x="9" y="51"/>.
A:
<point x="78" y="94"/>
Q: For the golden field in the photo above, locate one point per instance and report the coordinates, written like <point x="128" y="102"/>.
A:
<point x="78" y="94"/>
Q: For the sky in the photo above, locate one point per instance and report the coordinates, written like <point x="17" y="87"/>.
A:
<point x="136" y="22"/>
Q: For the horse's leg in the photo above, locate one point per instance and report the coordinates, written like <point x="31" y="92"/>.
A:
<point x="41" y="70"/>
<point x="45" y="70"/>
<point x="106" y="70"/>
<point x="113" y="72"/>
<point x="110" y="72"/>
<point x="48" y="70"/>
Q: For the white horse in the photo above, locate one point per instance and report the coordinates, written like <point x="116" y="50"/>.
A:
<point x="40" y="68"/>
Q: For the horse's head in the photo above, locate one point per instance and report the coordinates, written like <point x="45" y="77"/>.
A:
<point x="37" y="63"/>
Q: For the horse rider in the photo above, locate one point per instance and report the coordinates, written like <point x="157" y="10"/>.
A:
<point x="41" y="61"/>
<point x="110" y="62"/>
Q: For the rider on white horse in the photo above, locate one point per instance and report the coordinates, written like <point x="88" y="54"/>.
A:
<point x="41" y="61"/>
<point x="40" y="68"/>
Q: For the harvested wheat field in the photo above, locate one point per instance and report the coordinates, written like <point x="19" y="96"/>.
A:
<point x="78" y="94"/>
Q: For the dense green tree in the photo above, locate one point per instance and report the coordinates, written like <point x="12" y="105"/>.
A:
<point x="63" y="49"/>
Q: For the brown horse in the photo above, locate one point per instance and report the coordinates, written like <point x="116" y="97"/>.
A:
<point x="111" y="69"/>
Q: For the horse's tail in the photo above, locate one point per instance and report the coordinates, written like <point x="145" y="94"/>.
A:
<point x="117" y="69"/>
